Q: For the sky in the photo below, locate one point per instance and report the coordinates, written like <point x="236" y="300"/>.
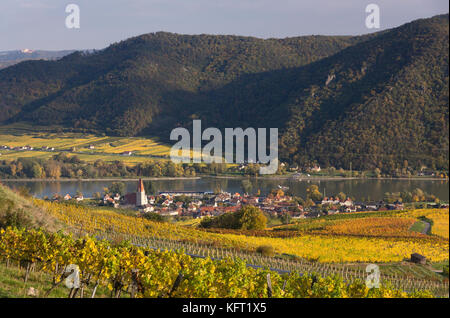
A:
<point x="41" y="24"/>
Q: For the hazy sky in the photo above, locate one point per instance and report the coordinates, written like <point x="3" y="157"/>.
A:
<point x="40" y="24"/>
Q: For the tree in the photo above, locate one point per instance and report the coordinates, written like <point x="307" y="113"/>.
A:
<point x="251" y="218"/>
<point x="37" y="171"/>
<point x="150" y="187"/>
<point x="313" y="193"/>
<point x="377" y="172"/>
<point x="53" y="169"/>
<point x="117" y="187"/>
<point x="342" y="196"/>
<point x="246" y="186"/>
<point x="247" y="218"/>
<point x="97" y="195"/>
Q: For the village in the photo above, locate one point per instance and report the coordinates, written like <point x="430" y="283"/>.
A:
<point x="196" y="204"/>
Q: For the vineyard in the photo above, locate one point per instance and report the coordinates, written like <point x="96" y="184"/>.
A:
<point x="125" y="255"/>
<point x="104" y="147"/>
<point x="318" y="247"/>
<point x="143" y="272"/>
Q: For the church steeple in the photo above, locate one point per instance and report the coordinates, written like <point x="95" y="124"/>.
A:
<point x="141" y="197"/>
<point x="140" y="186"/>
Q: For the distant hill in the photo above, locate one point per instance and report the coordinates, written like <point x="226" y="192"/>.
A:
<point x="378" y="100"/>
<point x="8" y="58"/>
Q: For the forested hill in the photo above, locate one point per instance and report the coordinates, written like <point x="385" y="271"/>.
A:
<point x="374" y="100"/>
<point x="8" y="58"/>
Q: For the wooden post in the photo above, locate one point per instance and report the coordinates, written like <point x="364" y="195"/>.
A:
<point x="134" y="282"/>
<point x="176" y="284"/>
<point x="269" y="286"/>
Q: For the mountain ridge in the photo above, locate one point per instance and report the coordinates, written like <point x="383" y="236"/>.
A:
<point x="336" y="99"/>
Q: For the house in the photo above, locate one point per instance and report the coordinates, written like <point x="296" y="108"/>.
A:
<point x="79" y="198"/>
<point x="91" y="147"/>
<point x="347" y="203"/>
<point x="350" y="209"/>
<point x="126" y="153"/>
<point x="116" y="197"/>
<point x="147" y="208"/>
<point x="316" y="168"/>
<point x="179" y="204"/>
<point x="371" y="206"/>
<point x="129" y="199"/>
<point x="293" y="168"/>
<point x="67" y="197"/>
<point x="398" y="205"/>
<point x="107" y="199"/>
<point x="207" y="210"/>
<point x="192" y="207"/>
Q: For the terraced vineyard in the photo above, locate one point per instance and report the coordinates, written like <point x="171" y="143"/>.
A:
<point x="143" y="272"/>
<point x="306" y="250"/>
<point x="325" y="248"/>
<point x="104" y="147"/>
<point x="311" y="246"/>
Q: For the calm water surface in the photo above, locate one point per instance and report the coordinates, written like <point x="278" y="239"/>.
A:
<point x="360" y="189"/>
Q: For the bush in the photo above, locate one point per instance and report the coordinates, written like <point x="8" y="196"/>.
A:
<point x="12" y="216"/>
<point x="154" y="217"/>
<point x="265" y="250"/>
<point x="247" y="218"/>
<point x="445" y="270"/>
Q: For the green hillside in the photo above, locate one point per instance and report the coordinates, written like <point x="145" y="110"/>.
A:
<point x="377" y="101"/>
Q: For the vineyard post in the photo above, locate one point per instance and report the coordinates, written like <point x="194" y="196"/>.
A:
<point x="134" y="282"/>
<point x="64" y="275"/>
<point x="176" y="284"/>
<point x="269" y="286"/>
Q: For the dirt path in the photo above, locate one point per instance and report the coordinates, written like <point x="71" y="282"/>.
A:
<point x="427" y="227"/>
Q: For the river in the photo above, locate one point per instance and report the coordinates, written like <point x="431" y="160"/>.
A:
<point x="359" y="189"/>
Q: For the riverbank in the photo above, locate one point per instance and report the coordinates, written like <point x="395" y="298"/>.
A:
<point x="99" y="179"/>
<point x="328" y="178"/>
<point x="266" y="177"/>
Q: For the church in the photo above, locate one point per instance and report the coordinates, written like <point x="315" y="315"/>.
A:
<point x="141" y="198"/>
<point x="138" y="198"/>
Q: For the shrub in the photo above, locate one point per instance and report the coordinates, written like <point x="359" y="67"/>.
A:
<point x="154" y="217"/>
<point x="265" y="250"/>
<point x="247" y="218"/>
<point x="10" y="215"/>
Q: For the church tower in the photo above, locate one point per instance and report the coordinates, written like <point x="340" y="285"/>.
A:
<point x="141" y="198"/>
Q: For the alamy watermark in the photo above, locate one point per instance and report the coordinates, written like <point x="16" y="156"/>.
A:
<point x="373" y="279"/>
<point x="257" y="147"/>
<point x="373" y="19"/>
<point x="73" y="19"/>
